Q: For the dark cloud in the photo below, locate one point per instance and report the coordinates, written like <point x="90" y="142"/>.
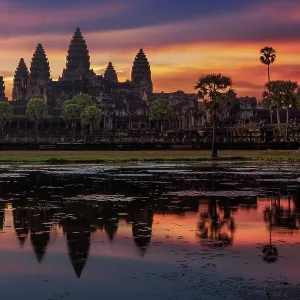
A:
<point x="143" y="13"/>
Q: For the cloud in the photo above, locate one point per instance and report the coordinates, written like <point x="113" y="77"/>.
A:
<point x="181" y="40"/>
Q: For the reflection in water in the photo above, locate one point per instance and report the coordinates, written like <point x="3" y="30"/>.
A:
<point x="216" y="230"/>
<point x="78" y="236"/>
<point x="142" y="221"/>
<point x="39" y="226"/>
<point x="83" y="207"/>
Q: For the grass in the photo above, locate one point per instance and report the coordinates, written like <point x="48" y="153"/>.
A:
<point x="119" y="156"/>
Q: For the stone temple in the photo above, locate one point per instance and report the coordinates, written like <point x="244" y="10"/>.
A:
<point x="122" y="103"/>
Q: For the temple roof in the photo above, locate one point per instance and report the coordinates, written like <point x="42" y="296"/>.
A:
<point x="110" y="73"/>
<point x="78" y="59"/>
<point x="21" y="73"/>
<point x="141" y="71"/>
<point x="39" y="68"/>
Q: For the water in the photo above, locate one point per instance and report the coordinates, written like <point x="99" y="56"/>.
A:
<point x="151" y="231"/>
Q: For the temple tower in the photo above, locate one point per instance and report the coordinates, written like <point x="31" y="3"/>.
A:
<point x="141" y="76"/>
<point x="39" y="77"/>
<point x="110" y="73"/>
<point x="78" y="59"/>
<point x="20" y="81"/>
<point x="2" y="90"/>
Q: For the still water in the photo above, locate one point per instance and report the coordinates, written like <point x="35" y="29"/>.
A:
<point x="149" y="231"/>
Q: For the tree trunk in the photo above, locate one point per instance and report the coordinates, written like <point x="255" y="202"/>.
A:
<point x="269" y="73"/>
<point x="91" y="128"/>
<point x="287" y="122"/>
<point x="161" y="126"/>
<point x="214" y="151"/>
<point x="271" y="115"/>
<point x="36" y="128"/>
<point x="74" y="128"/>
<point x="278" y="122"/>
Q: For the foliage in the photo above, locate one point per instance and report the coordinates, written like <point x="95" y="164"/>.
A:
<point x="36" y="109"/>
<point x="216" y="96"/>
<point x="215" y="92"/>
<point x="90" y="114"/>
<point x="161" y="110"/>
<point x="5" y="113"/>
<point x="268" y="57"/>
<point x="82" y="100"/>
<point x="71" y="112"/>
<point x="280" y="93"/>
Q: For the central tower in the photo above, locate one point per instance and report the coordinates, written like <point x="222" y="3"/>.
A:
<point x="78" y="59"/>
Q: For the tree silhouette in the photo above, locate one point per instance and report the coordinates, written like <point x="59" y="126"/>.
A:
<point x="214" y="90"/>
<point x="268" y="57"/>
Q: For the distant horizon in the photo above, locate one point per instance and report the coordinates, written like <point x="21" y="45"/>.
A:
<point x="181" y="41"/>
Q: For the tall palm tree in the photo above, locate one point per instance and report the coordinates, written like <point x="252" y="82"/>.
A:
<point x="214" y="90"/>
<point x="268" y="56"/>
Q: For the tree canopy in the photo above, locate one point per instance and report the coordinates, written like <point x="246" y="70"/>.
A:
<point x="268" y="57"/>
<point x="161" y="110"/>
<point x="36" y="109"/>
<point x="90" y="115"/>
<point x="82" y="100"/>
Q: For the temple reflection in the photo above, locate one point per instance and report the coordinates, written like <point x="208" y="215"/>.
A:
<point x="77" y="206"/>
<point x="39" y="226"/>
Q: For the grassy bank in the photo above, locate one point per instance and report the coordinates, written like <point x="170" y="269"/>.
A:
<point x="119" y="156"/>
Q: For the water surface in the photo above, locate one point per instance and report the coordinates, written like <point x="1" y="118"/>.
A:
<point x="150" y="231"/>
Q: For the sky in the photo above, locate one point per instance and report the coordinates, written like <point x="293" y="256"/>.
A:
<point x="182" y="39"/>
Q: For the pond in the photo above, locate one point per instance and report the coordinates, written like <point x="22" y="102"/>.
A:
<point x="150" y="231"/>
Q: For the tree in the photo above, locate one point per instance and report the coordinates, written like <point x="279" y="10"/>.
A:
<point x="268" y="56"/>
<point x="71" y="114"/>
<point x="90" y="115"/>
<point x="83" y="100"/>
<point x="214" y="90"/>
<point x="161" y="110"/>
<point x="268" y="103"/>
<point x="283" y="95"/>
<point x="72" y="109"/>
<point x="5" y="114"/>
<point x="36" y="111"/>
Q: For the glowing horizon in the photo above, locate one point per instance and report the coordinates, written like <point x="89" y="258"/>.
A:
<point x="179" y="43"/>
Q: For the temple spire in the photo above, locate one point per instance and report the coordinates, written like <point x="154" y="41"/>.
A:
<point x="141" y="75"/>
<point x="39" y="76"/>
<point x="78" y="59"/>
<point x="110" y="73"/>
<point x="20" y="81"/>
<point x="39" y="68"/>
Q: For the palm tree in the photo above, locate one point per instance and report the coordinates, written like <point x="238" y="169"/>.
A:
<point x="214" y="90"/>
<point x="268" y="56"/>
<point x="281" y="94"/>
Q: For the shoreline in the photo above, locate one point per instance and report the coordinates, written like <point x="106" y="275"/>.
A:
<point x="65" y="157"/>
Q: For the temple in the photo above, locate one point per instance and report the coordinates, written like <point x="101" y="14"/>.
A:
<point x="124" y="105"/>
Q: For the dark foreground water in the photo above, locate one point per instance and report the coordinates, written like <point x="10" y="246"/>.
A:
<point x="152" y="231"/>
